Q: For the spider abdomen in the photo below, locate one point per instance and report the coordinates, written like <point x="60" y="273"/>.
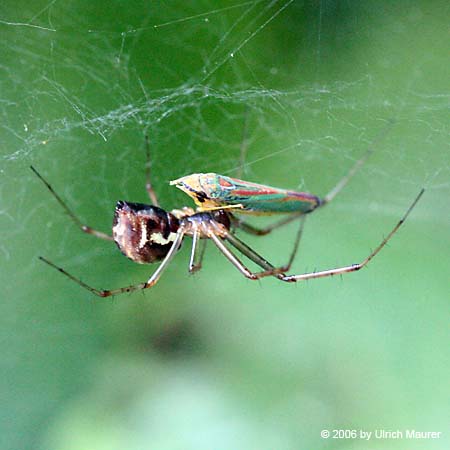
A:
<point x="143" y="233"/>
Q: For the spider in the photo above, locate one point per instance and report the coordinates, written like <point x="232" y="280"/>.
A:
<point x="147" y="233"/>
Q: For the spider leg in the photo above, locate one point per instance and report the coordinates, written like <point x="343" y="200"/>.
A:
<point x="261" y="232"/>
<point x="70" y="213"/>
<point x="298" y="236"/>
<point x="195" y="263"/>
<point x="232" y="258"/>
<point x="244" y="144"/>
<point x="272" y="271"/>
<point x="167" y="259"/>
<point x="354" y="267"/>
<point x="148" y="165"/>
<point x="151" y="282"/>
<point x="250" y="229"/>
<point x="250" y="253"/>
<point x="343" y="182"/>
<point x="238" y="223"/>
<point x="73" y="278"/>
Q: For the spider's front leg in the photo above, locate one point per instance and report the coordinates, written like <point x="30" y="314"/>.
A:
<point x="353" y="267"/>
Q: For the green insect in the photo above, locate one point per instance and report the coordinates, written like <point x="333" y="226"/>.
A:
<point x="213" y="191"/>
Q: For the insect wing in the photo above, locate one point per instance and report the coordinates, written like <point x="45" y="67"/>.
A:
<point x="261" y="199"/>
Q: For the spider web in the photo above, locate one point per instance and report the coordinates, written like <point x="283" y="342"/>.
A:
<point x="307" y="87"/>
<point x="80" y="92"/>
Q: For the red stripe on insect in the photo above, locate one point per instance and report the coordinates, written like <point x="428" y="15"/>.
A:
<point x="302" y="196"/>
<point x="252" y="193"/>
<point x="224" y="183"/>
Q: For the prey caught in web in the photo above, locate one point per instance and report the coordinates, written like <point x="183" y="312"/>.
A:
<point x="148" y="234"/>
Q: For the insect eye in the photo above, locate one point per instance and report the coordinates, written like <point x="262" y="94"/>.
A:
<point x="201" y="196"/>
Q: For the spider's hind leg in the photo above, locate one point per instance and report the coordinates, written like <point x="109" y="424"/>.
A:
<point x="150" y="283"/>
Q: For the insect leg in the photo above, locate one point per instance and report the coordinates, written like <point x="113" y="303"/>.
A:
<point x="148" y="166"/>
<point x="70" y="213"/>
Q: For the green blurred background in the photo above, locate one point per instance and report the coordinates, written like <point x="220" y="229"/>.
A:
<point x="215" y="361"/>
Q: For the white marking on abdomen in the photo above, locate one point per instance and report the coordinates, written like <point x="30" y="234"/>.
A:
<point x="158" y="238"/>
<point x="119" y="229"/>
<point x="143" y="239"/>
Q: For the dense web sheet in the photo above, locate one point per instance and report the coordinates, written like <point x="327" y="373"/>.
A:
<point x="78" y="91"/>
